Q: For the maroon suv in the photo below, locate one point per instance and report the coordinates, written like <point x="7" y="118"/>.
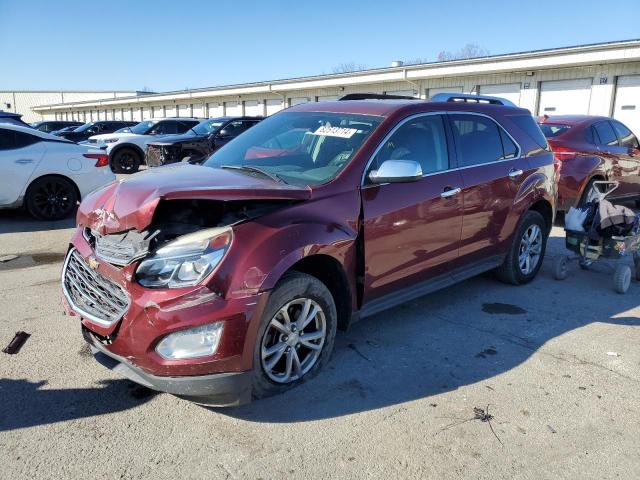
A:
<point x="228" y="281"/>
<point x="591" y="148"/>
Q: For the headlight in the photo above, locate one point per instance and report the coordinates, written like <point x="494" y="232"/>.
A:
<point x="192" y="343"/>
<point x="110" y="140"/>
<point x="185" y="261"/>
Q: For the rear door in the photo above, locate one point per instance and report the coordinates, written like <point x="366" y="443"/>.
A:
<point x="412" y="230"/>
<point x="20" y="153"/>
<point x="629" y="156"/>
<point x="622" y="168"/>
<point x="492" y="172"/>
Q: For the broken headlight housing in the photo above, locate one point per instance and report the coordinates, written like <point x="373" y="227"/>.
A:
<point x="185" y="261"/>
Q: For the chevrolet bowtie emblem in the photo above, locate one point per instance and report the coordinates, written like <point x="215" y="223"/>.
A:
<point x="93" y="263"/>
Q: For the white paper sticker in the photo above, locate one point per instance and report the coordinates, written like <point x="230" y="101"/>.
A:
<point x="336" y="132"/>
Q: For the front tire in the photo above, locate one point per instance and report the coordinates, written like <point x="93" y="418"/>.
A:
<point x="296" y="334"/>
<point x="525" y="256"/>
<point x="126" y="160"/>
<point x="51" y="198"/>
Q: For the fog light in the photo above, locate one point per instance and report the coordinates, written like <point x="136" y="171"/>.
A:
<point x="192" y="343"/>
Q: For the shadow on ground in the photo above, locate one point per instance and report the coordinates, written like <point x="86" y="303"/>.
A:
<point x="28" y="404"/>
<point x="463" y="335"/>
<point x="18" y="220"/>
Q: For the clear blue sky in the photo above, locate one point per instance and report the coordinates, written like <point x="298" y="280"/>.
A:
<point x="171" y="45"/>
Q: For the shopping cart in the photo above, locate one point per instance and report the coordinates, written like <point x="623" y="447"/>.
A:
<point x="591" y="245"/>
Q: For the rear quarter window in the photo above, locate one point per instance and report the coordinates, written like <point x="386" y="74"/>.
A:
<point x="528" y="125"/>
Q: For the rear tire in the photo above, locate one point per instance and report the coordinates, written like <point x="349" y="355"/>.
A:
<point x="515" y="269"/>
<point x="589" y="193"/>
<point x="126" y="160"/>
<point x="270" y="369"/>
<point x="51" y="198"/>
<point x="622" y="278"/>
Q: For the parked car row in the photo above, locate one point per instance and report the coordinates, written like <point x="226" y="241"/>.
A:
<point x="227" y="281"/>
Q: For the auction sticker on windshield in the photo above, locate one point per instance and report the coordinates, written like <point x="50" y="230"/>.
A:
<point x="335" y="132"/>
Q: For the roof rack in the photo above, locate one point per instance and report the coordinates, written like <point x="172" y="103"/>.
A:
<point x="375" y="96"/>
<point x="471" y="98"/>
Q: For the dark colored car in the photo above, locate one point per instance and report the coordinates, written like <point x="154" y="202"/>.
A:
<point x="96" y="128"/>
<point x="63" y="130"/>
<point x="199" y="142"/>
<point x="591" y="148"/>
<point x="13" y="119"/>
<point x="226" y="281"/>
<point x="49" y="126"/>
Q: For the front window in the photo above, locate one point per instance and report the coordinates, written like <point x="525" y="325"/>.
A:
<point x="300" y="148"/>
<point x="143" y="127"/>
<point x="208" y="126"/>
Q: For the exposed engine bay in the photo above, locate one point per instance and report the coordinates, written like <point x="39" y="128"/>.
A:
<point x="174" y="218"/>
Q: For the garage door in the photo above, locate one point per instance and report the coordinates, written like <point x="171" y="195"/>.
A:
<point x="509" y="91"/>
<point x="118" y="114"/>
<point x="233" y="108"/>
<point x="627" y="104"/>
<point x="565" y="97"/>
<point x="137" y="115"/>
<point x="434" y="91"/>
<point x="198" y="110"/>
<point x="128" y="114"/>
<point x="273" y="106"/>
<point x="184" y="111"/>
<point x="146" y="113"/>
<point x="252" y="107"/>
<point x="215" y="109"/>
<point x="158" y="112"/>
<point x="298" y="100"/>
<point x="170" y="111"/>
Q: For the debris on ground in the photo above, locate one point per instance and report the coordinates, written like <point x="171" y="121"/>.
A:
<point x="487" y="351"/>
<point x="551" y="429"/>
<point x="502" y="308"/>
<point x="7" y="258"/>
<point x="478" y="414"/>
<point x="16" y="343"/>
<point x="353" y="347"/>
<point x="613" y="354"/>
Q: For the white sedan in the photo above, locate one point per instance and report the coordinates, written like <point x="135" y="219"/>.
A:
<point x="47" y="174"/>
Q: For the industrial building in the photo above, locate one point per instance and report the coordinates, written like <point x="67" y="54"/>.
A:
<point x="597" y="79"/>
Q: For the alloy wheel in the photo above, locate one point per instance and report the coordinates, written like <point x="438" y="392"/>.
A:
<point x="293" y="340"/>
<point x="53" y="199"/>
<point x="530" y="249"/>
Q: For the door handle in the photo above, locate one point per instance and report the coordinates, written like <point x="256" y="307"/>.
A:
<point x="24" y="161"/>
<point x="513" y="173"/>
<point x="450" y="192"/>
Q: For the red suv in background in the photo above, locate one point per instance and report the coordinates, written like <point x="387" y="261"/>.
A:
<point x="226" y="281"/>
<point x="591" y="148"/>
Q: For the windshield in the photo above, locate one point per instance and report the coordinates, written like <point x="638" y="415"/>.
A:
<point x="208" y="126"/>
<point x="300" y="148"/>
<point x="84" y="127"/>
<point x="551" y="130"/>
<point x="143" y="127"/>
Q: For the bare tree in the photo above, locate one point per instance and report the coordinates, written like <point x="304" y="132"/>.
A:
<point x="348" y="67"/>
<point x="470" y="50"/>
<point x="416" y="61"/>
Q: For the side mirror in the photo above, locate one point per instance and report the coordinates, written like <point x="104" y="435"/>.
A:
<point x="223" y="133"/>
<point x="396" y="171"/>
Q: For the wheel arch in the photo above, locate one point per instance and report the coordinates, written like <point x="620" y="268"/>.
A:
<point x="45" y="175"/>
<point x="132" y="146"/>
<point x="544" y="208"/>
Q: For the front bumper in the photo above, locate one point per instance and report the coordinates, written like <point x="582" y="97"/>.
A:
<point x="221" y="389"/>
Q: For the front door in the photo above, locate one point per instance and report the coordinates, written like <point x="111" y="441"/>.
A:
<point x="412" y="230"/>
<point x="20" y="153"/>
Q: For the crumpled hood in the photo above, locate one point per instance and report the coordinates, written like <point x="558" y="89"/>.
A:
<point x="106" y="136"/>
<point x="130" y="203"/>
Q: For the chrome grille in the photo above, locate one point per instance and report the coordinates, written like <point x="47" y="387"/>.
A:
<point x="90" y="294"/>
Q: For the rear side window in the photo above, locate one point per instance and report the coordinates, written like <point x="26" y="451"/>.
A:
<point x="478" y="140"/>
<point x="422" y="140"/>
<point x="604" y="134"/>
<point x="528" y="125"/>
<point x="184" y="126"/>
<point x="551" y="130"/>
<point x="10" y="139"/>
<point x="626" y="137"/>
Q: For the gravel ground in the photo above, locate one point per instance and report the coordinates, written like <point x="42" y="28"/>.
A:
<point x="396" y="401"/>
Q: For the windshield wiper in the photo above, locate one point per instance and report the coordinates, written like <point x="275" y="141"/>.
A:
<point x="250" y="168"/>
